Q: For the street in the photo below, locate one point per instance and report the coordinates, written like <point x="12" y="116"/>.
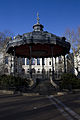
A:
<point x="18" y="107"/>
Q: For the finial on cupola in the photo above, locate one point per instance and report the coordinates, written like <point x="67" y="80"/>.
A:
<point x="38" y="26"/>
<point x="38" y="18"/>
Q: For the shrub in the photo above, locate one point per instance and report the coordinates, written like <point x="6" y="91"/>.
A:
<point x="9" y="81"/>
<point x="69" y="81"/>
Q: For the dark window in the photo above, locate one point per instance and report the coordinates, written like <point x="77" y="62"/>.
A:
<point x="27" y="70"/>
<point x="33" y="61"/>
<point x="38" y="71"/>
<point x="38" y="61"/>
<point x="6" y="60"/>
<point x="27" y="61"/>
<point x="18" y="60"/>
<point x="23" y="61"/>
<point x="50" y="63"/>
<point x="43" y="61"/>
<point x="49" y="70"/>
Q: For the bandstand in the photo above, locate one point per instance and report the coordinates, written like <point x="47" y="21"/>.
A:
<point x="38" y="44"/>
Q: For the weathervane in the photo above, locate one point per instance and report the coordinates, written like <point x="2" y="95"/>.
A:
<point x="38" y="18"/>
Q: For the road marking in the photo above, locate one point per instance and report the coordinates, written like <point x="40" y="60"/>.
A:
<point x="64" y="113"/>
<point x="74" y="114"/>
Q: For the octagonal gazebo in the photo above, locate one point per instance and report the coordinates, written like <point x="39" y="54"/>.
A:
<point x="38" y="44"/>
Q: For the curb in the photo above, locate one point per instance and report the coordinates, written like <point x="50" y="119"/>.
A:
<point x="6" y="92"/>
<point x="30" y="94"/>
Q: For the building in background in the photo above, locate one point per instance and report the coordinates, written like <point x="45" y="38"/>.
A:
<point x="77" y="63"/>
<point x="22" y="66"/>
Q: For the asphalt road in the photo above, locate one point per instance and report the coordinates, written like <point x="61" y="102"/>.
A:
<point x="17" y="107"/>
<point x="72" y="101"/>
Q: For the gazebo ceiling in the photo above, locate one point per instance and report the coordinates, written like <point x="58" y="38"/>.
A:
<point x="40" y="42"/>
<point x="38" y="50"/>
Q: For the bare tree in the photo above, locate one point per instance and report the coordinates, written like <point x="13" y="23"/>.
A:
<point x="74" y="38"/>
<point x="4" y="38"/>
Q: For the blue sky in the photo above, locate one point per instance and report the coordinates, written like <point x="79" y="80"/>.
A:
<point x="18" y="16"/>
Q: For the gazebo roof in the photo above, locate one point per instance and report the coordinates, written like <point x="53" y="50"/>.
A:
<point x="40" y="42"/>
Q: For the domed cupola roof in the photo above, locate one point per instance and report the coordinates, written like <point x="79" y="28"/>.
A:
<point x="38" y="26"/>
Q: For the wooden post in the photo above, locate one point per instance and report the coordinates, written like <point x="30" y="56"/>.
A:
<point x="43" y="68"/>
<point x="30" y="59"/>
<point x="11" y="64"/>
<point x="64" y="64"/>
<point x="52" y="64"/>
<point x="14" y="61"/>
